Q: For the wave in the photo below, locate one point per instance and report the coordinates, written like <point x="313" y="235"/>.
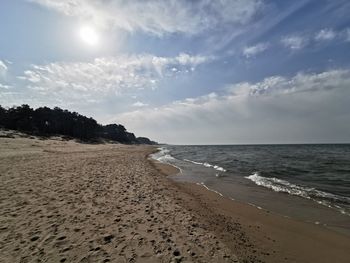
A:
<point x="279" y="185"/>
<point x="162" y="155"/>
<point x="216" y="167"/>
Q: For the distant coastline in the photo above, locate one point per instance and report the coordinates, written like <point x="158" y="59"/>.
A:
<point x="48" y="122"/>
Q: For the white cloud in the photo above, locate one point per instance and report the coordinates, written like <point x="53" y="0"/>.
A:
<point x="347" y="35"/>
<point x="3" y="69"/>
<point x="5" y="87"/>
<point x="325" y="35"/>
<point x="106" y="76"/>
<point x="278" y="85"/>
<point x="251" y="51"/>
<point x="139" y="104"/>
<point x="304" y="108"/>
<point x="158" y="17"/>
<point x="294" y="42"/>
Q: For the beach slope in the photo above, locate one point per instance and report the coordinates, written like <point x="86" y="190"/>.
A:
<point x="62" y="201"/>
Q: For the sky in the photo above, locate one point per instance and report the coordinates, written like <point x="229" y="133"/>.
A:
<point x="185" y="71"/>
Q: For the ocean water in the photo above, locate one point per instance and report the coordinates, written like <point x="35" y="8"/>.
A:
<point x="307" y="182"/>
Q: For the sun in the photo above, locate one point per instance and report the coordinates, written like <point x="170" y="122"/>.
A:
<point x="89" y="35"/>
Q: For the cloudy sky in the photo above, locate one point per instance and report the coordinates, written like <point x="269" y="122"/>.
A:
<point x="185" y="72"/>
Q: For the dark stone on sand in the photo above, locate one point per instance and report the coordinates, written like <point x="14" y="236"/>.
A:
<point x="176" y="253"/>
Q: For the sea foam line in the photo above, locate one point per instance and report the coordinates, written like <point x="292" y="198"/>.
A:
<point x="206" y="187"/>
<point x="216" y="167"/>
<point x="163" y="157"/>
<point x="231" y="198"/>
<point x="279" y="185"/>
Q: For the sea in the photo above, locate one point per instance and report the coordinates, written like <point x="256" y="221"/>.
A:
<point x="309" y="182"/>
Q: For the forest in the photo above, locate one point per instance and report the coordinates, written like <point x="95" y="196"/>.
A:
<point x="48" y="122"/>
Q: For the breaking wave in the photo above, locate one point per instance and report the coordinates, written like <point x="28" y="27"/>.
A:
<point x="162" y="155"/>
<point x="279" y="185"/>
<point x="216" y="167"/>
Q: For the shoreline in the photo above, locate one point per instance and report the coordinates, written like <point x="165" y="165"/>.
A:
<point x="298" y="207"/>
<point x="64" y="201"/>
<point x="278" y="237"/>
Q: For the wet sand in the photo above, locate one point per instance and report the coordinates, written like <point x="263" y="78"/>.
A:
<point x="278" y="238"/>
<point x="249" y="231"/>
<point x="62" y="201"/>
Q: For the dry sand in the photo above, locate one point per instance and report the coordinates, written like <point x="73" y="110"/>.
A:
<point x="69" y="202"/>
<point x="62" y="201"/>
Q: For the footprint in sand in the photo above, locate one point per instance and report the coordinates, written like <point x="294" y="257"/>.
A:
<point x="34" y="238"/>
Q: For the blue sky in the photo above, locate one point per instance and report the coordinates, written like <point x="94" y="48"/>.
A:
<point x="201" y="72"/>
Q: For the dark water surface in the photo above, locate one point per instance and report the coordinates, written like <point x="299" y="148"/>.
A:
<point x="307" y="182"/>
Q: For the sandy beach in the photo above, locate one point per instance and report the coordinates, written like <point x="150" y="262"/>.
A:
<point x="62" y="201"/>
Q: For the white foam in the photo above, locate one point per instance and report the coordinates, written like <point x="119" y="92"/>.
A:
<point x="216" y="167"/>
<point x="254" y="205"/>
<point x="193" y="162"/>
<point x="212" y="190"/>
<point x="163" y="156"/>
<point x="177" y="167"/>
<point x="279" y="185"/>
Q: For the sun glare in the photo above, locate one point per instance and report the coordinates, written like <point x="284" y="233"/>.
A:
<point x="89" y="35"/>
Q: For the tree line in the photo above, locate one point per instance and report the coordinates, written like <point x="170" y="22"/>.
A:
<point x="44" y="121"/>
